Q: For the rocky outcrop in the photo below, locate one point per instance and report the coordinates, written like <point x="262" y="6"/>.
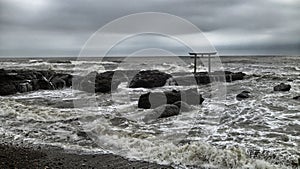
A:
<point x="282" y="87"/>
<point x="243" y="95"/>
<point x="149" y="79"/>
<point x="202" y="78"/>
<point x="97" y="82"/>
<point x="156" y="99"/>
<point x="13" y="81"/>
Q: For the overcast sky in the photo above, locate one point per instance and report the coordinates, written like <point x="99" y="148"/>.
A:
<point x="61" y="27"/>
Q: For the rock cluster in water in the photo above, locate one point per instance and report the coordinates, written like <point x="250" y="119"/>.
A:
<point x="13" y="81"/>
<point x="206" y="78"/>
<point x="156" y="99"/>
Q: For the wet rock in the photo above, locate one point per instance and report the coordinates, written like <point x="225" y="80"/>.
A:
<point x="105" y="83"/>
<point x="149" y="79"/>
<point x="24" y="87"/>
<point x="82" y="134"/>
<point x="97" y="82"/>
<point x="167" y="110"/>
<point x="59" y="61"/>
<point x="7" y="89"/>
<point x="155" y="99"/>
<point x="58" y="83"/>
<point x="44" y="84"/>
<point x="296" y="98"/>
<point x="231" y="76"/>
<point x="243" y="95"/>
<point x="282" y="87"/>
<point x="192" y="97"/>
<point x="202" y="78"/>
<point x="183" y="106"/>
<point x="163" y="111"/>
<point x="13" y="81"/>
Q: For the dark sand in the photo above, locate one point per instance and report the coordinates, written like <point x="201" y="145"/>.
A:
<point x="31" y="157"/>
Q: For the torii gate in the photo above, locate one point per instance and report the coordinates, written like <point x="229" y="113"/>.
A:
<point x="202" y="54"/>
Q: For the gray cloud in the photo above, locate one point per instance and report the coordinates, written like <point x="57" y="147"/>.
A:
<point x="55" y="27"/>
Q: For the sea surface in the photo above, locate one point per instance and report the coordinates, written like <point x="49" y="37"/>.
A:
<point x="262" y="131"/>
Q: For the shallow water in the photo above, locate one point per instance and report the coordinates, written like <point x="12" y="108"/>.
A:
<point x="259" y="132"/>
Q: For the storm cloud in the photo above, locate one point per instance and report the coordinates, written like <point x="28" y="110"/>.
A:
<point x="59" y="28"/>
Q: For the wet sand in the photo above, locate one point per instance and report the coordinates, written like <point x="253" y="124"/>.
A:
<point x="46" y="157"/>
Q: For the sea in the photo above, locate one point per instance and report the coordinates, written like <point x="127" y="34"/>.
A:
<point x="261" y="132"/>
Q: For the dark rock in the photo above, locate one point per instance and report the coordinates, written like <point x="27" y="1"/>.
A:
<point x="58" y="83"/>
<point x="202" y="78"/>
<point x="192" y="97"/>
<point x="44" y="84"/>
<point x="59" y="61"/>
<point x="24" y="87"/>
<point x="152" y="100"/>
<point x="163" y="111"/>
<point x="13" y="81"/>
<point x="243" y="95"/>
<point x="82" y="134"/>
<point x="149" y="79"/>
<point x="7" y="89"/>
<point x="230" y="76"/>
<point x="183" y="106"/>
<point x="155" y="99"/>
<point x="296" y="98"/>
<point x="62" y="80"/>
<point x="167" y="110"/>
<point x="105" y="83"/>
<point x="97" y="82"/>
<point x="282" y="87"/>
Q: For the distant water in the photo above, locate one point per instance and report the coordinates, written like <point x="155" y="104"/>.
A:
<point x="260" y="132"/>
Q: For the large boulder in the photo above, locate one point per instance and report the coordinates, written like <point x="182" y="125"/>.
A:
<point x="282" y="87"/>
<point x="243" y="95"/>
<point x="149" y="79"/>
<point x="97" y="82"/>
<point x="156" y="99"/>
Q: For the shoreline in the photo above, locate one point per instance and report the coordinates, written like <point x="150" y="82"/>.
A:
<point x="46" y="157"/>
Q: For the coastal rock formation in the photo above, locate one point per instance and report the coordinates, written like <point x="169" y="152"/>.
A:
<point x="149" y="79"/>
<point x="282" y="87"/>
<point x="13" y="81"/>
<point x="202" y="78"/>
<point x="156" y="99"/>
<point x="243" y="95"/>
